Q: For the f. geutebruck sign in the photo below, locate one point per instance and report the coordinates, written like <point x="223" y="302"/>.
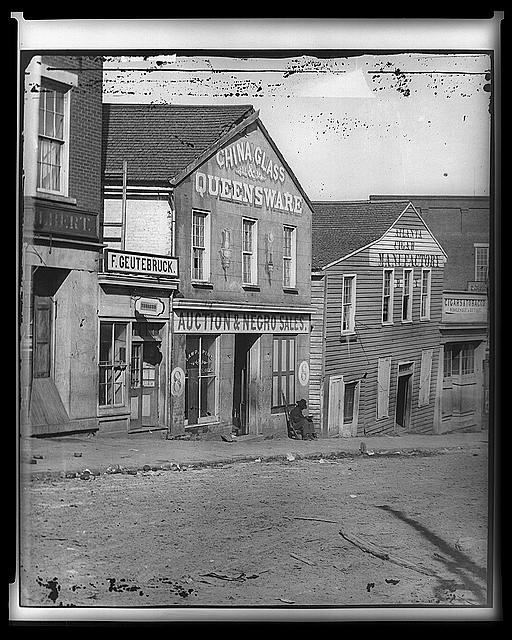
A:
<point x="216" y="321"/>
<point x="131" y="263"/>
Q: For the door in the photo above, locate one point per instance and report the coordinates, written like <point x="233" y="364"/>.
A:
<point x="144" y="384"/>
<point x="240" y="412"/>
<point x="335" y="410"/>
<point x="350" y="409"/>
<point x="403" y="401"/>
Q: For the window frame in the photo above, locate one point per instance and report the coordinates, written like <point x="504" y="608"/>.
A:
<point x="253" y="253"/>
<point x="391" y="296"/>
<point x="215" y="416"/>
<point x="206" y="249"/>
<point x="352" y="319"/>
<point x="477" y="246"/>
<point x="408" y="319"/>
<point x="291" y="259"/>
<point x="425" y="296"/>
<point x="48" y="84"/>
<point x="123" y="366"/>
<point x="279" y="373"/>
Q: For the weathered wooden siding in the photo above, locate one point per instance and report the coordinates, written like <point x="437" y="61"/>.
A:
<point x="357" y="355"/>
<point x="316" y="358"/>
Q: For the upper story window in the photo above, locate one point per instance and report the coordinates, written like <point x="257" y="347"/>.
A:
<point x="249" y="251"/>
<point x="388" y="284"/>
<point x="289" y="256"/>
<point x="348" y="304"/>
<point x="407" y="296"/>
<point x="481" y="262"/>
<point x="426" y="280"/>
<point x="52" y="154"/>
<point x="200" y="246"/>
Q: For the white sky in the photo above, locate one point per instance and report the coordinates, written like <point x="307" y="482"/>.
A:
<point x="347" y="126"/>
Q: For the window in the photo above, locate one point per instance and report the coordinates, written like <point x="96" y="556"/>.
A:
<point x="348" y="304"/>
<point x="52" y="150"/>
<point x="200" y="246"/>
<point x="283" y="370"/>
<point x="383" y="383"/>
<point x="426" y="276"/>
<point x="112" y="364"/>
<point x="289" y="256"/>
<point x="387" y="296"/>
<point x="481" y="262"/>
<point x="459" y="359"/>
<point x="407" y="296"/>
<point x="200" y="379"/>
<point x="249" y="251"/>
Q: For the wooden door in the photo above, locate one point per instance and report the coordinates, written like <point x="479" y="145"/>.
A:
<point x="335" y="409"/>
<point x="144" y="386"/>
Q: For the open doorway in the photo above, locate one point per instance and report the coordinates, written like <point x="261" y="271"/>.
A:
<point x="404" y="395"/>
<point x="243" y="344"/>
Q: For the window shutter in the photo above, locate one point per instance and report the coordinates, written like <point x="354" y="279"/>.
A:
<point x="383" y="381"/>
<point x="42" y="337"/>
<point x="425" y="373"/>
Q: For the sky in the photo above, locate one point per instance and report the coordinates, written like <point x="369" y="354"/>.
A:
<point x="348" y="126"/>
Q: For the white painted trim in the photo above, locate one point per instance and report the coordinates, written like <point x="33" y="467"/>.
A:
<point x="352" y="322"/>
<point x="59" y="75"/>
<point x="391" y="297"/>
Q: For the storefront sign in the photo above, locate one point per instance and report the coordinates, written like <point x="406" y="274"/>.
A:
<point x="195" y="321"/>
<point x="149" y="306"/>
<point x="464" y="308"/>
<point x="177" y="381"/>
<point x="140" y="264"/>
<point x="304" y="373"/>
<point x="62" y="222"/>
<point x="406" y="248"/>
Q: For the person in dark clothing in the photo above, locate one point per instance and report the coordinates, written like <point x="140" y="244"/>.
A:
<point x="301" y="423"/>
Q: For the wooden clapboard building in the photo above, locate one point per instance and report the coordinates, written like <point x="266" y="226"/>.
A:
<point x="59" y="242"/>
<point x="207" y="185"/>
<point x="376" y="290"/>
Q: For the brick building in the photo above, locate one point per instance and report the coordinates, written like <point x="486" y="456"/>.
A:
<point x="229" y="330"/>
<point x="59" y="241"/>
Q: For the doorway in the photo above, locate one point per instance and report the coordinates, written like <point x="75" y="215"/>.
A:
<point x="240" y="413"/>
<point x="146" y="357"/>
<point x="404" y="395"/>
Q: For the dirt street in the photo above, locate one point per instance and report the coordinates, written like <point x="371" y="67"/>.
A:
<point x="235" y="535"/>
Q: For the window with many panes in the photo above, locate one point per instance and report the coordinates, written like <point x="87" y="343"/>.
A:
<point x="481" y="262"/>
<point x="200" y="378"/>
<point x="51" y="156"/>
<point x="200" y="246"/>
<point x="407" y="295"/>
<point x="289" y="256"/>
<point x="459" y="359"/>
<point x="283" y="371"/>
<point x="387" y="296"/>
<point x="348" y="304"/>
<point x="426" y="278"/>
<point x="112" y="363"/>
<point x="249" y="251"/>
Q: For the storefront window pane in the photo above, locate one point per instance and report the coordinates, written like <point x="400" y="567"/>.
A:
<point x="112" y="363"/>
<point x="200" y="378"/>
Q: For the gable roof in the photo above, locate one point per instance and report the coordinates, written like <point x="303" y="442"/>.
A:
<point x="341" y="228"/>
<point x="159" y="141"/>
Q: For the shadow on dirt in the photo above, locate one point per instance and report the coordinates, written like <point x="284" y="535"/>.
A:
<point x="457" y="563"/>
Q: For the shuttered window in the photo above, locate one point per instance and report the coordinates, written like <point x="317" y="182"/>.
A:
<point x="383" y="383"/>
<point x="283" y="370"/>
<point x="42" y="331"/>
<point x="425" y="375"/>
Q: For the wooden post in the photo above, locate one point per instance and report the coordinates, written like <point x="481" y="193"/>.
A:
<point x="123" y="207"/>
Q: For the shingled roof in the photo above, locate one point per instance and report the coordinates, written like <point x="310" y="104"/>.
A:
<point x="340" y="228"/>
<point x="160" y="140"/>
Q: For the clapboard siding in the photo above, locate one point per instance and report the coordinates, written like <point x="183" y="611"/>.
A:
<point x="316" y="359"/>
<point x="356" y="357"/>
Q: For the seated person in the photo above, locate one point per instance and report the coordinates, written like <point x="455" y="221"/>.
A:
<point x="301" y="423"/>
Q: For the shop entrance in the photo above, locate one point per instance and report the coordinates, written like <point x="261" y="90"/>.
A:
<point x="243" y="344"/>
<point x="144" y="379"/>
<point x="404" y="395"/>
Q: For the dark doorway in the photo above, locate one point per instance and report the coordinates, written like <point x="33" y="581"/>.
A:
<point x="243" y="344"/>
<point x="146" y="357"/>
<point x="403" y="401"/>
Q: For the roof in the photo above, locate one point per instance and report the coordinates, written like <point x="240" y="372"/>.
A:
<point x="340" y="228"/>
<point x="160" y="140"/>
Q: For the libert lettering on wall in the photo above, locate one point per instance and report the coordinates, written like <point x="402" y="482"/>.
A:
<point x="249" y="162"/>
